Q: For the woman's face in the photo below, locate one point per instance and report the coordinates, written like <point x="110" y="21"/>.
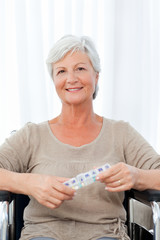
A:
<point x="75" y="78"/>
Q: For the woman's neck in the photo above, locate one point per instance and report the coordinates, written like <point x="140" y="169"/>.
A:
<point x="76" y="127"/>
<point x="77" y="116"/>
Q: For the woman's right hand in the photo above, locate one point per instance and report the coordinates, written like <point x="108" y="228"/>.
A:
<point x="48" y="190"/>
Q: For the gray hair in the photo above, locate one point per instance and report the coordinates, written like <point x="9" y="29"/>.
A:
<point x="73" y="43"/>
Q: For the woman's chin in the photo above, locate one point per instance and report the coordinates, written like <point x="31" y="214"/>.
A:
<point x="75" y="101"/>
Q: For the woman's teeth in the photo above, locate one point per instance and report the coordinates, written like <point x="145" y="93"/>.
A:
<point x="73" y="89"/>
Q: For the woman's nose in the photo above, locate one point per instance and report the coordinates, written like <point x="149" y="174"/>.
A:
<point x="71" y="77"/>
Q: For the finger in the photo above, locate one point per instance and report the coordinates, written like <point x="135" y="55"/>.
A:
<point x="115" y="184"/>
<point x="64" y="189"/>
<point x="116" y="189"/>
<point x="112" y="179"/>
<point x="61" y="196"/>
<point x="62" y="179"/>
<point x="54" y="201"/>
<point x="50" y="205"/>
<point x="112" y="171"/>
<point x="49" y="200"/>
<point x="57" y="198"/>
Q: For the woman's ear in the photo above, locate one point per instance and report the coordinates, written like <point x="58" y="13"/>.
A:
<point x="97" y="77"/>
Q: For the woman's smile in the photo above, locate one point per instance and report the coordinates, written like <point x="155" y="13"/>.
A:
<point x="76" y="89"/>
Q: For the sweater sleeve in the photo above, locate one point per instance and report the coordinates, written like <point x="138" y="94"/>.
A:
<point x="15" y="151"/>
<point x="138" y="152"/>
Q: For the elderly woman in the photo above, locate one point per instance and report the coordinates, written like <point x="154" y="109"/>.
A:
<point x="39" y="158"/>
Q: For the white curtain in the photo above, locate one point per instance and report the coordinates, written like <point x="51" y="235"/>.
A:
<point x="127" y="36"/>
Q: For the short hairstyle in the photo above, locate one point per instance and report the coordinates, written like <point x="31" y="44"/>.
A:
<point x="73" y="43"/>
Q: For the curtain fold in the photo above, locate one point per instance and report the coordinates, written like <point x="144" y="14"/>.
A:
<point x="126" y="34"/>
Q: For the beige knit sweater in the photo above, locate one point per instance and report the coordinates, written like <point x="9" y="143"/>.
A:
<point x="94" y="212"/>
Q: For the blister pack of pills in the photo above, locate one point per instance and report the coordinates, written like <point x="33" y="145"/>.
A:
<point x="84" y="179"/>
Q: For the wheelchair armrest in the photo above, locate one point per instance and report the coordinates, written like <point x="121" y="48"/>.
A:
<point x="146" y="196"/>
<point x="6" y="196"/>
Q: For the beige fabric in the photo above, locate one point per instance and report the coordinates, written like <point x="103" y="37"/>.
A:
<point x="94" y="212"/>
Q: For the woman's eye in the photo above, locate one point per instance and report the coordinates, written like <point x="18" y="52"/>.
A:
<point x="80" y="69"/>
<point x="60" y="72"/>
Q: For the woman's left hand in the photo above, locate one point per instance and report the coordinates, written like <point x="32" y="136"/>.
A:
<point x="120" y="177"/>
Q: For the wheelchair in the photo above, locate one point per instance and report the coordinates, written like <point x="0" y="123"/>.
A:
<point x="12" y="206"/>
